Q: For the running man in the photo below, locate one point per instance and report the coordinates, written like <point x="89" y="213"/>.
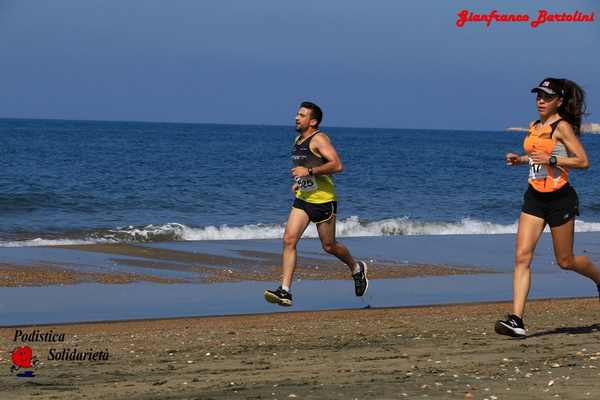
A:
<point x="314" y="159"/>
<point x="553" y="147"/>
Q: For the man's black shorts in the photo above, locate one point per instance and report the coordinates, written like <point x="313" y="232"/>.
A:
<point x="555" y="208"/>
<point x="317" y="213"/>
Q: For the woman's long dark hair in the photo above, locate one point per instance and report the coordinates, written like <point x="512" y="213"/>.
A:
<point x="573" y="106"/>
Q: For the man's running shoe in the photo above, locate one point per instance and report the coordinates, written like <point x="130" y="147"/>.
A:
<point x="511" y="326"/>
<point x="361" y="283"/>
<point x="279" y="296"/>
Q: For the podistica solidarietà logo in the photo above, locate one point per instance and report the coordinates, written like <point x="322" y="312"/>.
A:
<point x="25" y="362"/>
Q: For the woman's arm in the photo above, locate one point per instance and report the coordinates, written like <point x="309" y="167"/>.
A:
<point x="515" y="159"/>
<point x="578" y="157"/>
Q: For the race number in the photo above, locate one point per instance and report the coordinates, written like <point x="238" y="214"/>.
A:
<point x="537" y="171"/>
<point x="307" y="184"/>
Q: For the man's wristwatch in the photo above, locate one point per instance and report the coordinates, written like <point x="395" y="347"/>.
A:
<point x="552" y="161"/>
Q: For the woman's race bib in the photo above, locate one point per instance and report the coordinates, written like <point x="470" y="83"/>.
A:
<point x="537" y="171"/>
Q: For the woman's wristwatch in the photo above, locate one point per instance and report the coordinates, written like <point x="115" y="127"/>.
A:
<point x="552" y="161"/>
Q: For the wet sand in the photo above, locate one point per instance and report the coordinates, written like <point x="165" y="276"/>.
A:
<point x="204" y="268"/>
<point x="45" y="275"/>
<point x="441" y="352"/>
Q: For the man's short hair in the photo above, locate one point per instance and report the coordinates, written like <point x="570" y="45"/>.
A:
<point x="315" y="111"/>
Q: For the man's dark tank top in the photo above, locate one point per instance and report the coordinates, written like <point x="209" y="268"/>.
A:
<point x="302" y="156"/>
<point x="313" y="189"/>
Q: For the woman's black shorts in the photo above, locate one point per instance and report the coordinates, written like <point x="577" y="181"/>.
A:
<point x="555" y="208"/>
<point x="317" y="213"/>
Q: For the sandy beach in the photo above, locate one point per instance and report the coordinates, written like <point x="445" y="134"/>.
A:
<point x="438" y="352"/>
<point x="441" y="352"/>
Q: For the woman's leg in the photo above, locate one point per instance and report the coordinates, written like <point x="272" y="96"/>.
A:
<point x="562" y="238"/>
<point x="529" y="231"/>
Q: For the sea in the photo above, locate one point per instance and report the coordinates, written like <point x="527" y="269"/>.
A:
<point x="71" y="182"/>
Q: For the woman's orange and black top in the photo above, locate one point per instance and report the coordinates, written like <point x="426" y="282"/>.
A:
<point x="545" y="178"/>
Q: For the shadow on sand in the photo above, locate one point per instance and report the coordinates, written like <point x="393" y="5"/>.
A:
<point x="568" y="330"/>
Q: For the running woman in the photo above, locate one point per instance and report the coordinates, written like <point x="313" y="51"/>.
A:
<point x="552" y="148"/>
<point x="315" y="160"/>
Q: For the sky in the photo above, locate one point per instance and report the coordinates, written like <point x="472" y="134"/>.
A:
<point x="384" y="63"/>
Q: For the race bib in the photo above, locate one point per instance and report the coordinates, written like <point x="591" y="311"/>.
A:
<point x="307" y="184"/>
<point x="537" y="171"/>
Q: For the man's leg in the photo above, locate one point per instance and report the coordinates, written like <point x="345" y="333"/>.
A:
<point x="296" y="225"/>
<point x="358" y="270"/>
<point x="330" y="245"/>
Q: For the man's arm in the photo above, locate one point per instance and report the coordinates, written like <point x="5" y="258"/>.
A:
<point x="322" y="146"/>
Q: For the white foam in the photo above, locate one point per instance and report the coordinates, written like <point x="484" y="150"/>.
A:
<point x="353" y="227"/>
<point x="148" y="233"/>
<point x="405" y="226"/>
<point x="38" y="242"/>
<point x="350" y="227"/>
<point x="582" y="226"/>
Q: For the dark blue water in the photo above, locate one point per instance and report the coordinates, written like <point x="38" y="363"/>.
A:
<point x="149" y="181"/>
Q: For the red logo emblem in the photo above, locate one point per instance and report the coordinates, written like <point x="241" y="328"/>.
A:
<point x="22" y="358"/>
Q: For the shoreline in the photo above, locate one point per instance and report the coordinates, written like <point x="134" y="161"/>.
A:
<point x="127" y="263"/>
